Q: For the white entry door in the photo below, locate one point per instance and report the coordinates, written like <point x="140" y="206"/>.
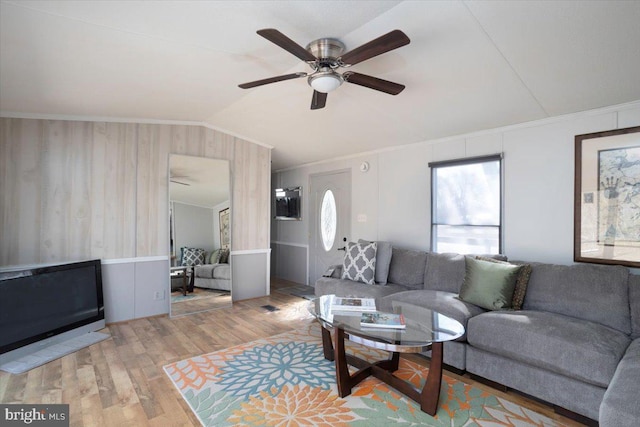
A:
<point x="329" y="221"/>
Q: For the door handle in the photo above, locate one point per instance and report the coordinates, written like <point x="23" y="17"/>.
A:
<point x="344" y="248"/>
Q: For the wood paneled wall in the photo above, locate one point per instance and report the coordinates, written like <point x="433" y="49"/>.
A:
<point x="73" y="190"/>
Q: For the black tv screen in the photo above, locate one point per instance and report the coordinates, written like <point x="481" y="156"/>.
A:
<point x="288" y="203"/>
<point x="41" y="302"/>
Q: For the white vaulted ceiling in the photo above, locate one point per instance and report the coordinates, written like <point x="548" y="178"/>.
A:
<point x="470" y="66"/>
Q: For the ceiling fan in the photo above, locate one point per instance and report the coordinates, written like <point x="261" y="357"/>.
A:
<point x="325" y="56"/>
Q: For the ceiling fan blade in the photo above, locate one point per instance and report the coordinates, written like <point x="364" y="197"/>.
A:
<point x="318" y="100"/>
<point x="382" y="44"/>
<point x="272" y="80"/>
<point x="276" y="37"/>
<point x="181" y="183"/>
<point x="373" y="83"/>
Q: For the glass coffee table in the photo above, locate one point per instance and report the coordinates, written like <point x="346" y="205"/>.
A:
<point x="425" y="330"/>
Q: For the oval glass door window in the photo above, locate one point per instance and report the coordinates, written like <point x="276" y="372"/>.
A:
<point x="328" y="220"/>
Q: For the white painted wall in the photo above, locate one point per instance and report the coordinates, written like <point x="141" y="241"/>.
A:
<point x="194" y="227"/>
<point x="395" y="193"/>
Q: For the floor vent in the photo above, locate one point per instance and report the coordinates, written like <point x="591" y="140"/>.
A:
<point x="270" y="307"/>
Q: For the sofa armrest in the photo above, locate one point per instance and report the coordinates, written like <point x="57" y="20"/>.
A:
<point x="620" y="407"/>
<point x="336" y="271"/>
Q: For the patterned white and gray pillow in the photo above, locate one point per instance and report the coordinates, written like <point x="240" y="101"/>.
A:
<point x="193" y="256"/>
<point x="359" y="262"/>
<point x="383" y="260"/>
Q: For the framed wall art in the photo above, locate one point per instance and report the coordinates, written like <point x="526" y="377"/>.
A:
<point x="607" y="197"/>
<point x="225" y="238"/>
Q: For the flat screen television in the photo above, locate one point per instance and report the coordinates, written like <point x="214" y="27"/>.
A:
<point x="289" y="203"/>
<point x="40" y="304"/>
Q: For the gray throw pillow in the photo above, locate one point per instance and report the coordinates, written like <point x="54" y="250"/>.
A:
<point x="359" y="262"/>
<point x="489" y="285"/>
<point x="383" y="260"/>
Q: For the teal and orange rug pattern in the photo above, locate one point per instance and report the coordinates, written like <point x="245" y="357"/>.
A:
<point x="284" y="380"/>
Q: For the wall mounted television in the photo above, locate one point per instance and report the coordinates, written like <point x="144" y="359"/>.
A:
<point x="45" y="305"/>
<point x="288" y="203"/>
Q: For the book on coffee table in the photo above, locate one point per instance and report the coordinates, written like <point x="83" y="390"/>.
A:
<point x="353" y="304"/>
<point x="383" y="320"/>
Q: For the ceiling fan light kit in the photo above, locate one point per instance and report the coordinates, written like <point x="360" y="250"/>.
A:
<point x="326" y="55"/>
<point x="325" y="81"/>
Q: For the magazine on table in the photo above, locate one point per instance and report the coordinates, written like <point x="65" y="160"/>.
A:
<point x="383" y="320"/>
<point x="352" y="304"/>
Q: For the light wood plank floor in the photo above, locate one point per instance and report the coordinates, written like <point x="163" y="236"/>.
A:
<point x="218" y="300"/>
<point x="120" y="381"/>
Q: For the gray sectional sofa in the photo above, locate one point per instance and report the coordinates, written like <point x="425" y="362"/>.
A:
<point x="213" y="276"/>
<point x="574" y="344"/>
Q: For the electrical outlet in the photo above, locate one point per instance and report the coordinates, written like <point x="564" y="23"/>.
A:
<point x="158" y="295"/>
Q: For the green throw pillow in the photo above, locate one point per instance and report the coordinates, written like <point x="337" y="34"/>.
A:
<point x="489" y="285"/>
<point x="215" y="256"/>
<point x="521" y="281"/>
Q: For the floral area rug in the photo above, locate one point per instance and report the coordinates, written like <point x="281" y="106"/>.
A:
<point x="284" y="380"/>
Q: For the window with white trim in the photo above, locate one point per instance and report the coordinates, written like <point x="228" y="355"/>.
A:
<point x="466" y="205"/>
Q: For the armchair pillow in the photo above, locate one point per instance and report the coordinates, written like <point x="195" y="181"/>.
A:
<point x="359" y="262"/>
<point x="521" y="281"/>
<point x="193" y="256"/>
<point x="224" y="256"/>
<point x="215" y="256"/>
<point x="489" y="285"/>
<point x="383" y="260"/>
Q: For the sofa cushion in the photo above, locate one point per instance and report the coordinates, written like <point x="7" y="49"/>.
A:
<point x="204" y="271"/>
<point x="444" y="272"/>
<point x="620" y="407"/>
<point x="521" y="281"/>
<point x="446" y="303"/>
<point x="383" y="260"/>
<point x="213" y="271"/>
<point x="349" y="288"/>
<point x="598" y="293"/>
<point x="634" y="303"/>
<point x="407" y="267"/>
<point x="360" y="262"/>
<point x="582" y="350"/>
<point x="222" y="271"/>
<point x="489" y="285"/>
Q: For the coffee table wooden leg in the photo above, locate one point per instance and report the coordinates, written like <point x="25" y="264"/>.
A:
<point x="431" y="391"/>
<point x="327" y="346"/>
<point x="343" y="378"/>
<point x="427" y="398"/>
